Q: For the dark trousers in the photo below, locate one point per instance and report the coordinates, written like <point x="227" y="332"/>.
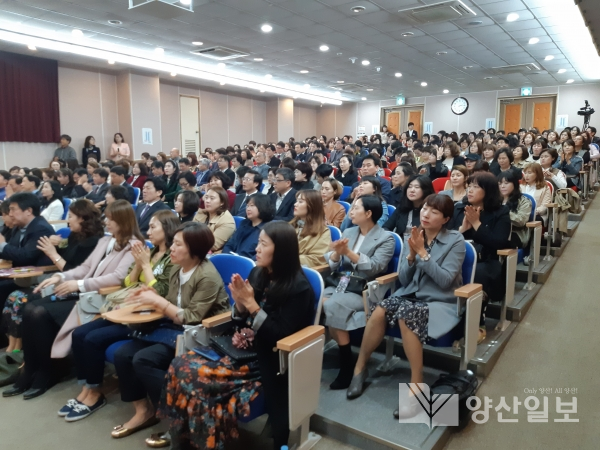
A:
<point x="276" y="398"/>
<point x="142" y="368"/>
<point x="491" y="275"/>
<point x="90" y="342"/>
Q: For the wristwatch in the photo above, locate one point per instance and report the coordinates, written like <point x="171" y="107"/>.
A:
<point x="426" y="258"/>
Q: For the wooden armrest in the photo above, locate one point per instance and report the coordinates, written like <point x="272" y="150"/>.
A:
<point x="533" y="224"/>
<point x="33" y="273"/>
<point x="300" y="338"/>
<point x="56" y="222"/>
<point x="552" y="205"/>
<point x="581" y="172"/>
<point x="468" y="290"/>
<point x="322" y="268"/>
<point x="5" y="264"/>
<point x="109" y="290"/>
<point x="389" y="278"/>
<point x="51" y="268"/>
<point x="507" y="252"/>
<point x="219" y="319"/>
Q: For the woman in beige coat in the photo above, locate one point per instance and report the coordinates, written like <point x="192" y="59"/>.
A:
<point x="309" y="221"/>
<point x="217" y="216"/>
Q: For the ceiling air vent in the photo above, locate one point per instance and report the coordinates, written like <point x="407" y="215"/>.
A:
<point x="349" y="87"/>
<point x="526" y="69"/>
<point x="439" y="12"/>
<point x="219" y="53"/>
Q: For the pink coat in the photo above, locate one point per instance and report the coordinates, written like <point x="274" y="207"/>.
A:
<point x="113" y="270"/>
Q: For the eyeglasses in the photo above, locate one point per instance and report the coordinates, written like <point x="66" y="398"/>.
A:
<point x="184" y="185"/>
<point x="248" y="179"/>
<point x="279" y="180"/>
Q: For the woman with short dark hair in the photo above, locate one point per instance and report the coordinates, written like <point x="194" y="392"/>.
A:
<point x="186" y="206"/>
<point x="52" y="205"/>
<point x="518" y="205"/>
<point x="139" y="174"/>
<point x="90" y="150"/>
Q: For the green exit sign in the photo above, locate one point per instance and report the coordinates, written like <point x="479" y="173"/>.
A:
<point x="526" y="91"/>
<point x="400" y="100"/>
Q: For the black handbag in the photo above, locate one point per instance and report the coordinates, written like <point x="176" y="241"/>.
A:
<point x="224" y="345"/>
<point x="356" y="285"/>
<point x="464" y="384"/>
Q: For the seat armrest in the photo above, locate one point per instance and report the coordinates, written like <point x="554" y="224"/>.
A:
<point x="389" y="278"/>
<point x="219" y="319"/>
<point x="552" y="205"/>
<point x="507" y="252"/>
<point x="51" y="268"/>
<point x="30" y="274"/>
<point x="533" y="224"/>
<point x="296" y="340"/>
<point x="109" y="290"/>
<point x="322" y="268"/>
<point x="468" y="290"/>
<point x="5" y="264"/>
<point x="56" y="222"/>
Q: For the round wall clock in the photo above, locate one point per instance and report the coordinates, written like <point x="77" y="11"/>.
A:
<point x="459" y="105"/>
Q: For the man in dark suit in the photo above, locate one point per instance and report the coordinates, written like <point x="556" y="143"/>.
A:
<point x="117" y="178"/>
<point x="301" y="155"/>
<point x="97" y="192"/>
<point x="370" y="167"/>
<point x="224" y="161"/>
<point x="272" y="159"/>
<point x="152" y="193"/>
<point x="250" y="184"/>
<point x="412" y="133"/>
<point x="204" y="173"/>
<point x="22" y="248"/>
<point x="284" y="197"/>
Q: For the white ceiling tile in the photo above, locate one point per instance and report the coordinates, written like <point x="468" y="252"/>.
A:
<point x="301" y="6"/>
<point x="506" y="6"/>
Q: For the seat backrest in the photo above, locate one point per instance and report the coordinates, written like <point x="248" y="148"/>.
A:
<point x="394" y="264"/>
<point x="149" y="244"/>
<point x="387" y="172"/>
<point x="227" y="265"/>
<point x="469" y="264"/>
<point x="346" y="205"/>
<point x="64" y="232"/>
<point x="137" y="195"/>
<point x="533" y="206"/>
<point x="238" y="220"/>
<point x="551" y="187"/>
<point x="347" y="190"/>
<point x="439" y="183"/>
<point x="336" y="234"/>
<point x="391" y="210"/>
<point x="66" y="202"/>
<point x="316" y="282"/>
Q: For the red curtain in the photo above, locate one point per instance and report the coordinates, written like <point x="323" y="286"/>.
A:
<point x="28" y="99"/>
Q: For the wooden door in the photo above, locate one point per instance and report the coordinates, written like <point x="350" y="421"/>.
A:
<point x="542" y="112"/>
<point x="415" y="117"/>
<point x="512" y="118"/>
<point x="393" y="122"/>
<point x="190" y="124"/>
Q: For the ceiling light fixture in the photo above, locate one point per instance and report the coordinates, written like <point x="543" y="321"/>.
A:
<point x="397" y="74"/>
<point x="475" y="22"/>
<point x="197" y="43"/>
<point x="363" y="98"/>
<point x="512" y="17"/>
<point x="115" y="22"/>
<point x="304" y="71"/>
<point x="185" y="2"/>
<point x="323" y="48"/>
<point x="340" y="82"/>
<point x="31" y="47"/>
<point x="258" y="59"/>
<point x="131" y="57"/>
<point x="365" y="62"/>
<point x="549" y="58"/>
<point x="269" y="76"/>
<point x="111" y="62"/>
<point x="369" y="89"/>
<point x="570" y="81"/>
<point x="441" y="53"/>
<point x="77" y="33"/>
<point x="423" y="83"/>
<point x="262" y="91"/>
<point x="487" y="78"/>
<point x="266" y="28"/>
<point x="534" y="40"/>
<point x="159" y="51"/>
<point x="358" y="9"/>
<point x="222" y="83"/>
<point x="221" y="65"/>
<point x="408" y="34"/>
<point x="173" y="74"/>
<point x="562" y="70"/>
<point x="307" y="86"/>
<point x="445" y="91"/>
<point x="467" y="67"/>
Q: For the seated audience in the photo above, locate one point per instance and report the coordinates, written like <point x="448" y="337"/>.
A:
<point x="309" y="222"/>
<point x="370" y="166"/>
<point x="251" y="182"/>
<point x="139" y="173"/>
<point x="539" y="145"/>
<point x="535" y="185"/>
<point x="186" y="206"/>
<point x="97" y="192"/>
<point x="425" y="306"/>
<point x="322" y="173"/>
<point x="52" y="205"/>
<point x="451" y="156"/>
<point x="503" y="161"/>
<point x="187" y="182"/>
<point x="217" y="217"/>
<point x="195" y="292"/>
<point x="303" y="173"/>
<point x="520" y="157"/>
<point x="569" y="163"/>
<point x="151" y="195"/>
<point x="42" y="319"/>
<point x="367" y="186"/>
<point x="458" y="184"/>
<point x="69" y="188"/>
<point x="219" y="179"/>
<point x="259" y="212"/>
<point x="151" y="268"/>
<point x="31" y="184"/>
<point x="331" y="190"/>
<point x="224" y="166"/>
<point x="365" y="250"/>
<point x="400" y="176"/>
<point x="518" y="205"/>
<point x="158" y="169"/>
<point x="171" y="180"/>
<point x="433" y="166"/>
<point x="284" y="197"/>
<point x="555" y="176"/>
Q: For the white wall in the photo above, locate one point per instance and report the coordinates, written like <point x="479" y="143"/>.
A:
<point x="305" y="121"/>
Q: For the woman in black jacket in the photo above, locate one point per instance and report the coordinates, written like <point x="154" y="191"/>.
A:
<point x="90" y="150"/>
<point x="275" y="302"/>
<point x="346" y="173"/>
<point x="400" y="176"/>
<point x="407" y="214"/>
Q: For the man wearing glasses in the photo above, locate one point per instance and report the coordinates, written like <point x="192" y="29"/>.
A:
<point x="284" y="197"/>
<point x="250" y="185"/>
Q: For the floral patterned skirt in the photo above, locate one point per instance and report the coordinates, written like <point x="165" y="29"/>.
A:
<point x="414" y="313"/>
<point x="204" y="398"/>
<point x="12" y="313"/>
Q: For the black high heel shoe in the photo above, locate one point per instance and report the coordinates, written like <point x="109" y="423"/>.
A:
<point x="357" y="385"/>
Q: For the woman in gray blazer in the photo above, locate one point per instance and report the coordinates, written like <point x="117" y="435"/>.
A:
<point x="365" y="250"/>
<point x="425" y="305"/>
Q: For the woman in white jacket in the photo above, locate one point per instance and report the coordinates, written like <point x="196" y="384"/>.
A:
<point x="52" y="205"/>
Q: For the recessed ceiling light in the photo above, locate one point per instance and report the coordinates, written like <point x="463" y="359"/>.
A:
<point x="358" y="9"/>
<point x="268" y="75"/>
<point x="467" y="67"/>
<point x="397" y="74"/>
<point x="31" y="47"/>
<point x="475" y="22"/>
<point x="77" y="33"/>
<point x="408" y="34"/>
<point x="570" y="81"/>
<point x="562" y="70"/>
<point x="423" y="83"/>
<point x="111" y="62"/>
<point x="365" y="62"/>
<point x="221" y="65"/>
<point x="340" y="82"/>
<point x="323" y="48"/>
<point x="258" y="59"/>
<point x="369" y="89"/>
<point x="159" y="50"/>
<point x="262" y="91"/>
<point x="487" y="78"/>
<point x="197" y="43"/>
<point x="307" y="86"/>
<point x="363" y="98"/>
<point x="512" y="17"/>
<point x="441" y="53"/>
<point x="266" y="28"/>
<point x="337" y="93"/>
<point x="115" y="22"/>
<point x="222" y="83"/>
<point x="173" y="74"/>
<point x="185" y="2"/>
<point x="304" y="71"/>
<point x="445" y="91"/>
<point x="549" y="58"/>
<point x="534" y="40"/>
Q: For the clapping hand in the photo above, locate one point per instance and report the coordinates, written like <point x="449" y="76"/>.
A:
<point x="146" y="297"/>
<point x="242" y="293"/>
<point x="472" y="214"/>
<point x="340" y="246"/>
<point x="46" y="245"/>
<point x="416" y="242"/>
<point x="141" y="254"/>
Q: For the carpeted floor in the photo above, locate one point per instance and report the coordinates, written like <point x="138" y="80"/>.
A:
<point x="555" y="346"/>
